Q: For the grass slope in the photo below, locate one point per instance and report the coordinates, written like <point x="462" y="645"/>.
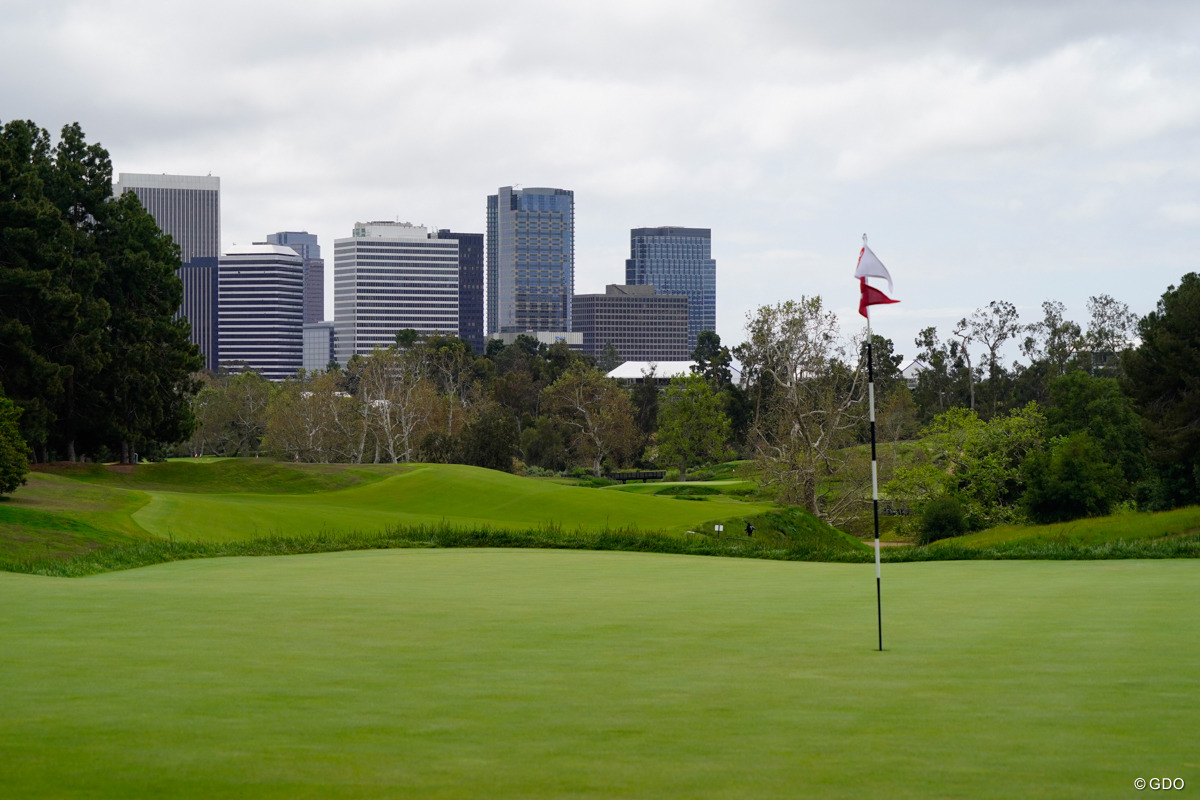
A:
<point x="526" y="674"/>
<point x="238" y="499"/>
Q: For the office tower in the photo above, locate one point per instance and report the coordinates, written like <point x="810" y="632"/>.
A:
<point x="390" y="276"/>
<point x="530" y="259"/>
<point x="318" y="346"/>
<point x="677" y="261"/>
<point x="470" y="286"/>
<point x="262" y="310"/>
<point x="641" y="325"/>
<point x="305" y="244"/>
<point x="188" y="209"/>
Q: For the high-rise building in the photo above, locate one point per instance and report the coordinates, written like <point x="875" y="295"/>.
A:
<point x="470" y="286"/>
<point x="188" y="209"/>
<point x="641" y="325"/>
<point x="262" y="310"/>
<point x="530" y="259"/>
<point x="306" y="245"/>
<point x="390" y="276"/>
<point x="677" y="261"/>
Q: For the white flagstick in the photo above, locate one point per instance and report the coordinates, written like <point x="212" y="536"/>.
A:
<point x="874" y="475"/>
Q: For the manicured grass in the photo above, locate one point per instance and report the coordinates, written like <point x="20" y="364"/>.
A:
<point x="526" y="674"/>
<point x="238" y="499"/>
<point x="1126" y="526"/>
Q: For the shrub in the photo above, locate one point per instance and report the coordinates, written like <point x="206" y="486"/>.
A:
<point x="944" y="517"/>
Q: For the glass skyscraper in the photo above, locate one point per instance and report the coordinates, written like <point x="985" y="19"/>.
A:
<point x="530" y="259"/>
<point x="470" y="286"/>
<point x="677" y="261"/>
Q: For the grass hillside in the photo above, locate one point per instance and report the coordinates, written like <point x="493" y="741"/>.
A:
<point x="530" y="674"/>
<point x="71" y="509"/>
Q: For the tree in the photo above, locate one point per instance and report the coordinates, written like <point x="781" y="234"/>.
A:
<point x="1110" y="331"/>
<point x="979" y="462"/>
<point x="712" y="360"/>
<point x="148" y="380"/>
<point x="692" y="427"/>
<point x="815" y="400"/>
<point x="598" y="413"/>
<point x="35" y="300"/>
<point x="938" y="385"/>
<point x="14" y="453"/>
<point x="399" y="400"/>
<point x="1054" y="341"/>
<point x="1162" y="376"/>
<point x="609" y="359"/>
<point x="993" y="327"/>
<point x="490" y="441"/>
<point x="1069" y="481"/>
<point x="1081" y="403"/>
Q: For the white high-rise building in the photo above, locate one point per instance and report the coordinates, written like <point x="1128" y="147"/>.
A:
<point x="262" y="310"/>
<point x="390" y="276"/>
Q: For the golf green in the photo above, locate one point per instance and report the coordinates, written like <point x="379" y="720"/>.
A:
<point x="537" y="673"/>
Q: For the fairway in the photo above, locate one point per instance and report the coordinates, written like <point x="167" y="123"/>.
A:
<point x="517" y="674"/>
<point x="74" y="507"/>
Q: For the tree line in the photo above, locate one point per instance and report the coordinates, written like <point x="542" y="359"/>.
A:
<point x="93" y="359"/>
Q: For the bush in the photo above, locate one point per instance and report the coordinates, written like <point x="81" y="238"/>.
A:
<point x="944" y="517"/>
<point x="1071" y="480"/>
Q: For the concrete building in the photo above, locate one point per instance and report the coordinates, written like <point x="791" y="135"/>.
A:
<point x="574" y="340"/>
<point x="390" y="276"/>
<point x="677" y="261"/>
<point x="305" y="244"/>
<point x="188" y="209"/>
<point x="318" y="346"/>
<point x="530" y="259"/>
<point x="262" y="310"/>
<point x="641" y="325"/>
<point x="470" y="286"/>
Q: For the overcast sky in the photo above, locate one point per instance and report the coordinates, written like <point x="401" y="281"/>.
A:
<point x="1000" y="150"/>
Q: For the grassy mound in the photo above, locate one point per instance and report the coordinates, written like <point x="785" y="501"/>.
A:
<point x="528" y="674"/>
<point x="72" y="509"/>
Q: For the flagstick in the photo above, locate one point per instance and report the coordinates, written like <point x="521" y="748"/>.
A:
<point x="874" y="477"/>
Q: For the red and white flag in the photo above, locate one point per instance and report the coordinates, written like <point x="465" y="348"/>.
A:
<point x="869" y="266"/>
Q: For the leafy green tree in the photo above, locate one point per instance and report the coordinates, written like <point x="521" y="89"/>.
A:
<point x="36" y="302"/>
<point x="14" y="453"/>
<point x="1080" y="402"/>
<point x="597" y="412"/>
<point x="979" y="462"/>
<point x="692" y="427"/>
<point x="1110" y="332"/>
<point x="148" y="382"/>
<point x="712" y="359"/>
<point x="490" y="441"/>
<point x="1069" y="481"/>
<point x="1162" y="376"/>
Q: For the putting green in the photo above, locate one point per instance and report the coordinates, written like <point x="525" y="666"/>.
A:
<point x="484" y="673"/>
<point x="426" y="494"/>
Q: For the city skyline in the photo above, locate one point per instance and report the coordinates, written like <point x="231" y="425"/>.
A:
<point x="1012" y="151"/>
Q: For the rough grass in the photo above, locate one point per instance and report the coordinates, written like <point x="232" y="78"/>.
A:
<point x="530" y="674"/>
